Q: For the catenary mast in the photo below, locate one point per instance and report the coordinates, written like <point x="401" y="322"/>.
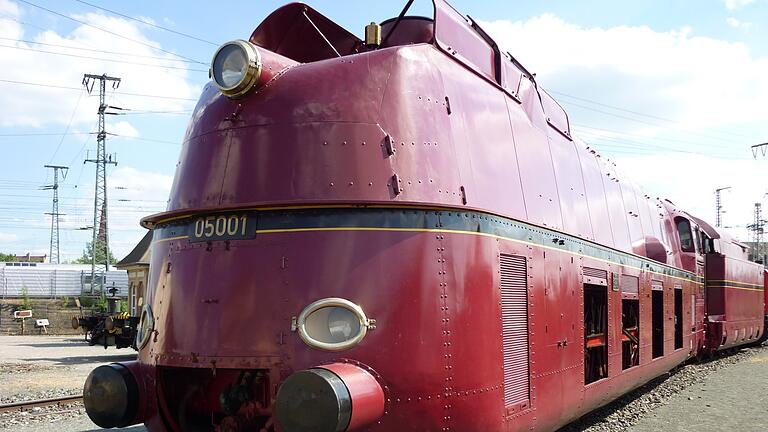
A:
<point x="100" y="242"/>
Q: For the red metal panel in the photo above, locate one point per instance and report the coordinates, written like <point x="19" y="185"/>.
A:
<point x="514" y="316"/>
<point x="414" y="114"/>
<point x="536" y="173"/>
<point x="200" y="173"/>
<point x="556" y="116"/>
<point x="455" y="35"/>
<point x="304" y="42"/>
<point x="511" y="77"/>
<point x="479" y="153"/>
<point x="594" y="195"/>
<point x="715" y="267"/>
<point x="616" y="211"/>
<point x="570" y="186"/>
<point x="636" y="235"/>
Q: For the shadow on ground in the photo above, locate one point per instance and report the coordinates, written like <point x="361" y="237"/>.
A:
<point x="67" y="343"/>
<point x="69" y="361"/>
<point x="129" y="429"/>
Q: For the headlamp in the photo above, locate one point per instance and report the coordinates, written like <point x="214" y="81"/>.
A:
<point x="146" y="327"/>
<point x="333" y="324"/>
<point x="235" y="68"/>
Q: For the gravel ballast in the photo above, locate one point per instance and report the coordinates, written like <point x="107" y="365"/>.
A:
<point x="628" y="412"/>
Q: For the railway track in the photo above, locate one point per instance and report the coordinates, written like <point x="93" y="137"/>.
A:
<point x="28" y="405"/>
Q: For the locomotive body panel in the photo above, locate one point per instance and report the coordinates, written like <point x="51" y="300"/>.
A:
<point x="440" y="268"/>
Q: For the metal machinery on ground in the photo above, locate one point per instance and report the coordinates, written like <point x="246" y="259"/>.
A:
<point x="109" y="328"/>
<point x="402" y="234"/>
<point x="117" y="330"/>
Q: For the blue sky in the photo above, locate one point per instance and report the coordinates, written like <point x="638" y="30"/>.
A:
<point x="672" y="91"/>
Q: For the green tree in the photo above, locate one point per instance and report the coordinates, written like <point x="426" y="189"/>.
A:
<point x="88" y="255"/>
<point x="7" y="257"/>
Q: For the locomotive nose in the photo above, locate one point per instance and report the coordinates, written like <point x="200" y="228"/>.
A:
<point x="111" y="396"/>
<point x="330" y="398"/>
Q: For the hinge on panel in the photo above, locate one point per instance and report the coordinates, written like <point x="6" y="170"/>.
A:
<point x="396" y="184"/>
<point x="389" y="145"/>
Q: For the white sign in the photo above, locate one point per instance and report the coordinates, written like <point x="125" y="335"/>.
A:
<point x="22" y="314"/>
<point x="42" y="323"/>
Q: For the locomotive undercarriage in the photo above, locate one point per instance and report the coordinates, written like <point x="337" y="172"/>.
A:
<point x="215" y="400"/>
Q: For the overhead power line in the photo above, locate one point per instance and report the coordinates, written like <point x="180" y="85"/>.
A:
<point x="654" y="138"/>
<point x="148" y="23"/>
<point x="79" y="89"/>
<point x="637" y="120"/>
<point x="103" y="59"/>
<point x="638" y="113"/>
<point x="154" y="47"/>
<point x="95" y="50"/>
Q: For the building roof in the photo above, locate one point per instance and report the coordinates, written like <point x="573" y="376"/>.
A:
<point x="140" y="254"/>
<point x="31" y="258"/>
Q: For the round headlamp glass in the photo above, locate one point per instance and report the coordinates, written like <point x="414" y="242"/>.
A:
<point x="235" y="67"/>
<point x="146" y="327"/>
<point x="332" y="324"/>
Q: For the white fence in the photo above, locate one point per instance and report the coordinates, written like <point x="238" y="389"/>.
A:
<point x="55" y="280"/>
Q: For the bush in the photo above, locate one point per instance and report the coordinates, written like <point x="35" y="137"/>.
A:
<point x="26" y="304"/>
<point x="64" y="301"/>
<point x="123" y="307"/>
<point x="101" y="304"/>
<point x="86" y="302"/>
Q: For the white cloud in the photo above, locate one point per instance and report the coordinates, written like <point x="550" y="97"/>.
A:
<point x="134" y="194"/>
<point x="699" y="199"/>
<point x="735" y="4"/>
<point x="123" y="129"/>
<point x="37" y="106"/>
<point x="733" y="22"/>
<point x="668" y="74"/>
<point x="8" y="238"/>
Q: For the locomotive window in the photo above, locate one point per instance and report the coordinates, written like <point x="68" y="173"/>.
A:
<point x="697" y="240"/>
<point x="595" y="333"/>
<point x="630" y="333"/>
<point x="684" y="231"/>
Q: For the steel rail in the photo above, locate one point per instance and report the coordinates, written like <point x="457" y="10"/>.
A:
<point x="28" y="405"/>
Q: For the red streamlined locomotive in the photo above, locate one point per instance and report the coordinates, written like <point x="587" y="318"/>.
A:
<point x="401" y="234"/>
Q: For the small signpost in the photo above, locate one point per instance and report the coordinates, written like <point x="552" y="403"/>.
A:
<point x="42" y="323"/>
<point x="22" y="315"/>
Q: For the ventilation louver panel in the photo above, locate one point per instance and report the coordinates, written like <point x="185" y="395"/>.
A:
<point x="630" y="284"/>
<point x="514" y="315"/>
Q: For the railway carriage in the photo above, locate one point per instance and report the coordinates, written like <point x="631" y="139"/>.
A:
<point x="402" y="234"/>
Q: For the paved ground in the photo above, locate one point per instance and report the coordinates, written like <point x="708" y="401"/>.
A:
<point x="734" y="399"/>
